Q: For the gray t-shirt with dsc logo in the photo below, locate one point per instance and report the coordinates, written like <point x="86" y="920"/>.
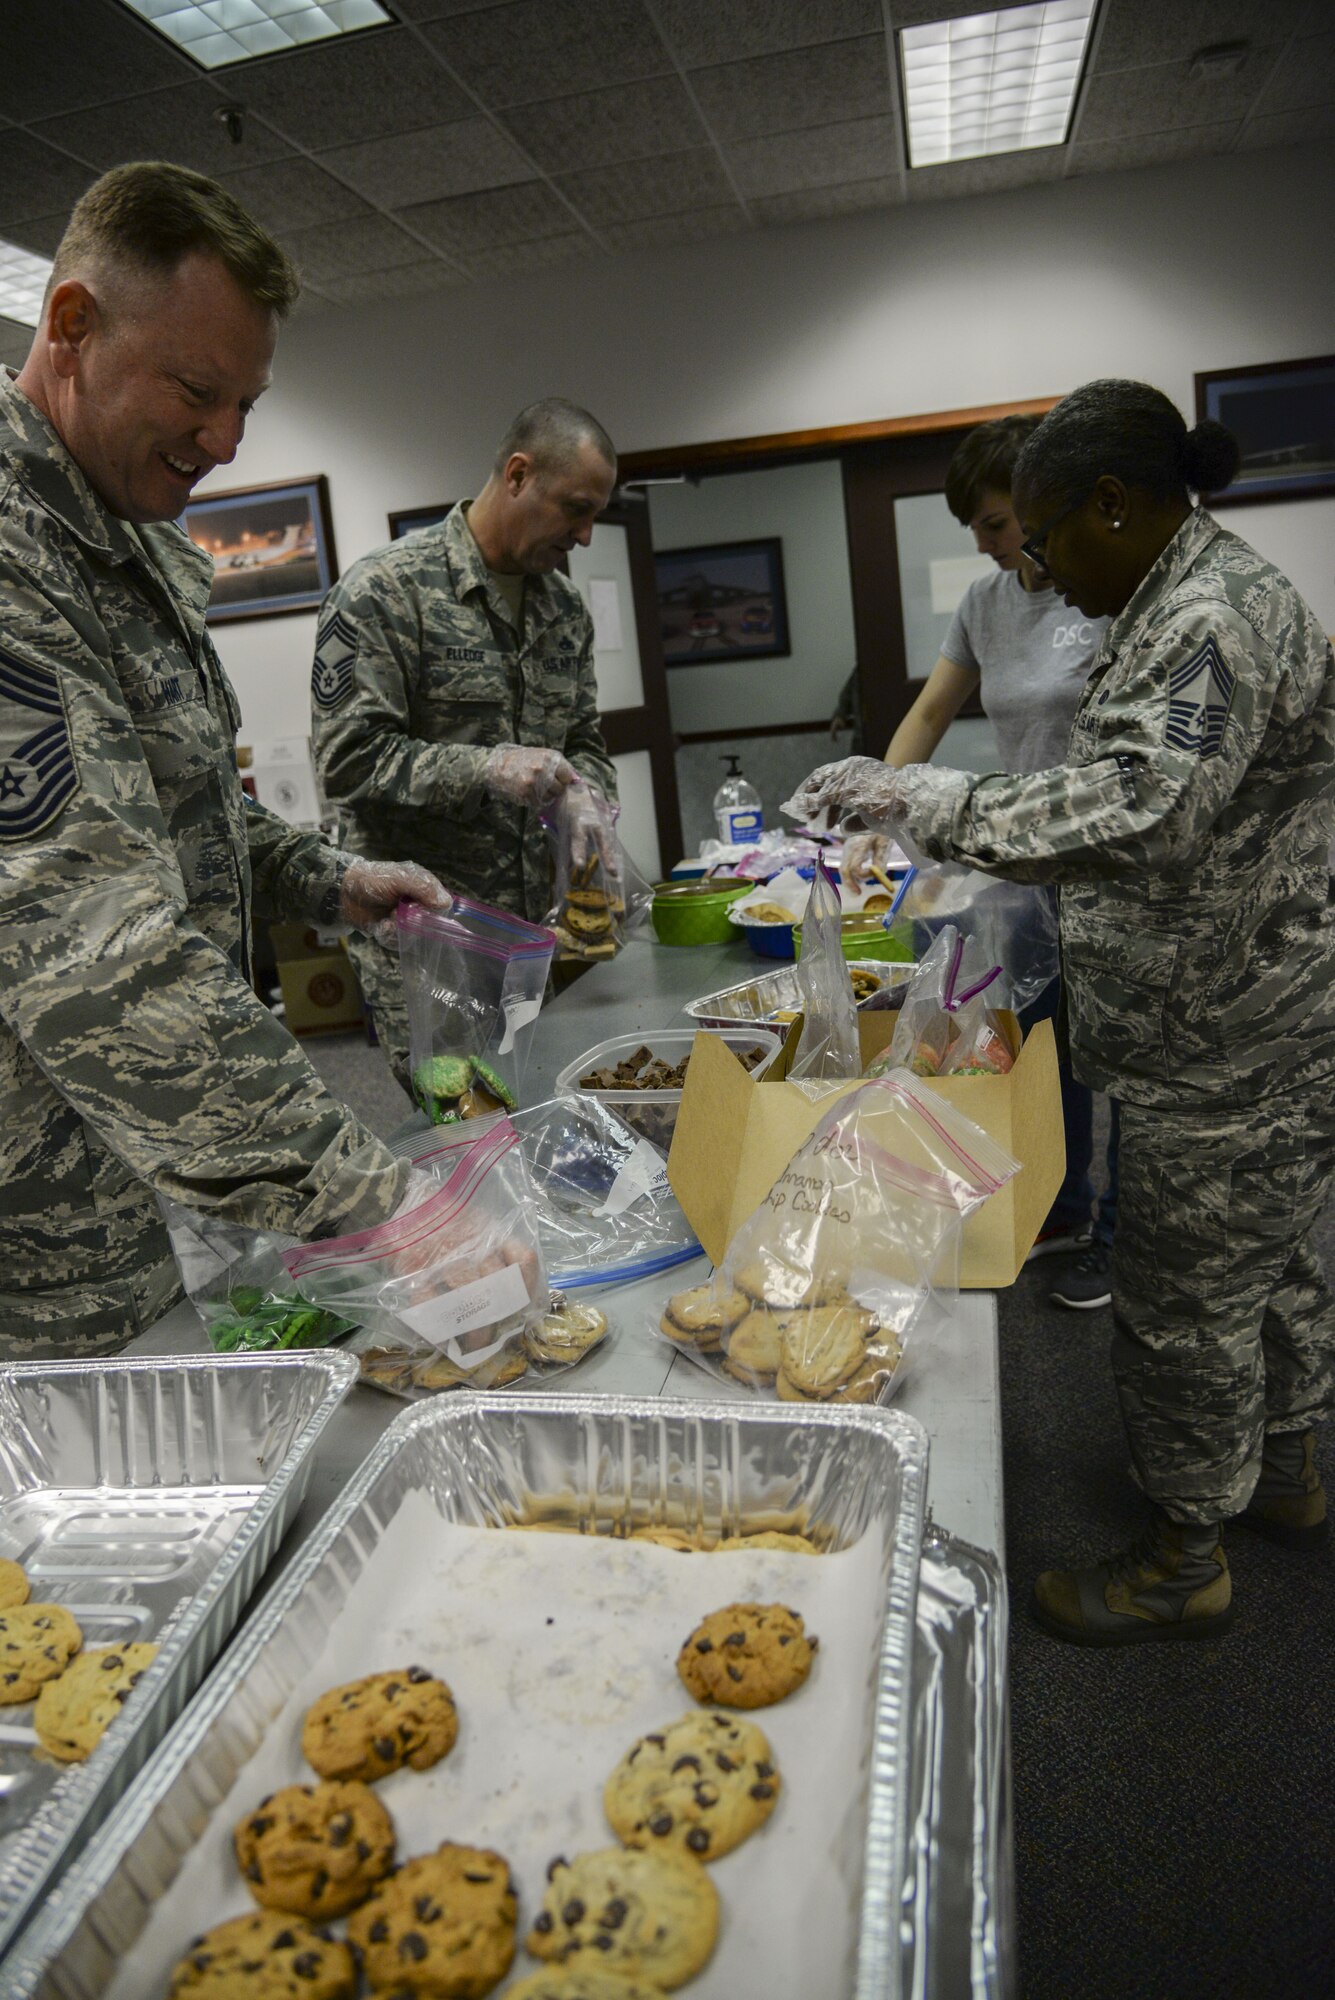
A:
<point x="1032" y="655"/>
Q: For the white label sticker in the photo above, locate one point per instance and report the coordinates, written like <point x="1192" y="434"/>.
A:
<point x="444" y="1319"/>
<point x="642" y="1172"/>
<point x="518" y="1014"/>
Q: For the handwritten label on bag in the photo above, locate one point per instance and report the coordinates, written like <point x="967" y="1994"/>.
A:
<point x="642" y="1172"/>
<point x="518" y="1014"/>
<point x="480" y="1304"/>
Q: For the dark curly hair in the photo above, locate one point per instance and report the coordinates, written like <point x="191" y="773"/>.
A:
<point x="1132" y="431"/>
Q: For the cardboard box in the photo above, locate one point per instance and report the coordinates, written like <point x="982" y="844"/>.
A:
<point x="734" y="1135"/>
<point x="319" y="987"/>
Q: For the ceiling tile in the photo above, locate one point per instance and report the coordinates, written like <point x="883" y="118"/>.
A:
<point x="858" y="150"/>
<point x="358" y="243"/>
<point x="720" y="31"/>
<point x="88" y="54"/>
<point x="535" y="49"/>
<point x="502" y="215"/>
<point x="503" y="257"/>
<point x="992" y="174"/>
<point x="177" y="124"/>
<point x="407" y="281"/>
<point x="40" y="233"/>
<point x="1149" y="149"/>
<point x="637" y="188"/>
<point x="292" y="194"/>
<point x="1137" y="33"/>
<point x="632" y="123"/>
<point x="820" y="86"/>
<point x="691" y="227"/>
<point x="36" y="179"/>
<point x="408" y="167"/>
<point x="1304" y="76"/>
<point x="358" y="89"/>
<point x="808" y="204"/>
<point x="427" y="10"/>
<point x="1166" y="98"/>
<point x="1288" y="128"/>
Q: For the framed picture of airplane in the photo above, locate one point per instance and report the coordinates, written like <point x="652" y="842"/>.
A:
<point x="723" y="602"/>
<point x="1282" y="414"/>
<point x="272" y="547"/>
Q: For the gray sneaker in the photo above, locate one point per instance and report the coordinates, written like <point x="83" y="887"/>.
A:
<point x="1085" y="1281"/>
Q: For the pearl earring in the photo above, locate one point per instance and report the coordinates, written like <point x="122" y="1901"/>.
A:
<point x="1117" y="524"/>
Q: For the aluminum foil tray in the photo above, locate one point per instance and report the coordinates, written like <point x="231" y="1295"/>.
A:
<point x="603" y="1463"/>
<point x="148" y="1496"/>
<point x="757" y="1001"/>
<point x="957" y="1918"/>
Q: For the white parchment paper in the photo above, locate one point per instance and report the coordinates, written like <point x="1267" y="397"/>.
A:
<point x="561" y="1650"/>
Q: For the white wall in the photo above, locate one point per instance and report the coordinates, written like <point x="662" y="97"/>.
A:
<point x="804" y="506"/>
<point x="939" y="305"/>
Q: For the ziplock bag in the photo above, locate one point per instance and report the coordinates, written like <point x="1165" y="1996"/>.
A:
<point x="455" y="1279"/>
<point x="855" y="1248"/>
<point x="829" y="1044"/>
<point x="237" y="1282"/>
<point x="473" y="981"/>
<point x="1011" y="924"/>
<point x="599" y="898"/>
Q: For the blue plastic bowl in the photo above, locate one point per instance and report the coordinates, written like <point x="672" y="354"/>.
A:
<point x="770" y="940"/>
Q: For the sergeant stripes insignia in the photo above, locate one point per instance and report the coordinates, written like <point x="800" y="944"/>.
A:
<point x="37" y="768"/>
<point x="335" y="660"/>
<point x="1200" y="695"/>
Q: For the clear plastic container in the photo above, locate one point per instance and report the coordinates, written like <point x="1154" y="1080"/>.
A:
<point x="737" y="807"/>
<point x="652" y="1114"/>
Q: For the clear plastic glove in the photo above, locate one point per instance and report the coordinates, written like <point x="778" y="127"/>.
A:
<point x="590" y="822"/>
<point x="527" y="776"/>
<point x="864" y="855"/>
<point x="371" y="891"/>
<point x="861" y="791"/>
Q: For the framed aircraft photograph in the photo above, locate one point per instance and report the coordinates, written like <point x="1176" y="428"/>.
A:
<point x="1283" y="415"/>
<point x="723" y="602"/>
<point x="272" y="547"/>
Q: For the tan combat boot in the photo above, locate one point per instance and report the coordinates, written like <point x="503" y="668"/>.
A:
<point x="1172" y="1583"/>
<point x="1289" y="1504"/>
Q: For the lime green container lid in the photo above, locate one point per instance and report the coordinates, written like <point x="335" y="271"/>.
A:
<point x="865" y="937"/>
<point x="695" y="912"/>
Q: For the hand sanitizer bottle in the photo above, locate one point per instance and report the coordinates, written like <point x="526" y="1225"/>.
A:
<point x="737" y="808"/>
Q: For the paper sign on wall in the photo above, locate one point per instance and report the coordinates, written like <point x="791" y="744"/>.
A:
<point x="605" y="607"/>
<point x="950" y="577"/>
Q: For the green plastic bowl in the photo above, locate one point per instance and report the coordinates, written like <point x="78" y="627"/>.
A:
<point x="863" y="937"/>
<point x="695" y="912"/>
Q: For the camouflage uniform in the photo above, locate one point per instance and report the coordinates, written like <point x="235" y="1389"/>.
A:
<point x="418" y="675"/>
<point x="133" y="1054"/>
<point x="1189" y="833"/>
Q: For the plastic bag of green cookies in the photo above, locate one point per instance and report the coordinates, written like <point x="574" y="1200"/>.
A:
<point x="473" y="981"/>
<point x="237" y="1282"/>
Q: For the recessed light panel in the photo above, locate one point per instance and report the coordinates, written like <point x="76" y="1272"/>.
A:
<point x="217" y="32"/>
<point x="993" y="83"/>
<point x="23" y="279"/>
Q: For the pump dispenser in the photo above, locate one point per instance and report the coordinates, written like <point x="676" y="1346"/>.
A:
<point x="737" y="809"/>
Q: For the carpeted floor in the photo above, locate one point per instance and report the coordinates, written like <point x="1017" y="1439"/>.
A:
<point x="1173" y="1804"/>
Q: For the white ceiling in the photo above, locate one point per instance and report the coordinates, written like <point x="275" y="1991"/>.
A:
<point x="480" y="137"/>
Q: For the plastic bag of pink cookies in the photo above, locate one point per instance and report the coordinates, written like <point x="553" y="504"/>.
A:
<point x="852" y="1256"/>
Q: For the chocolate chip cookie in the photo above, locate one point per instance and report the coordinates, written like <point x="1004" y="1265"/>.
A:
<point x="264" y="1957"/>
<point x="370" y="1727"/>
<point x="698" y="1787"/>
<point x="316" y="1850"/>
<point x="823" y="1347"/>
<point x="753" y="1348"/>
<point x="746" y="1656"/>
<point x="37" y="1641"/>
<point x="653" y="1916"/>
<point x="442" y="1925"/>
<point x="14" y="1587"/>
<point x="565" y="1332"/>
<point x="703" y="1316"/>
<point x="569" y="1983"/>
<point x="74" y="1711"/>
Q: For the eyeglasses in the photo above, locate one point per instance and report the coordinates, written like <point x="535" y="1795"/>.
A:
<point x="1035" y="548"/>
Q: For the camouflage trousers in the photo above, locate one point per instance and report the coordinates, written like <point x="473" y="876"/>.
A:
<point x="377" y="968"/>
<point x="1224" y="1327"/>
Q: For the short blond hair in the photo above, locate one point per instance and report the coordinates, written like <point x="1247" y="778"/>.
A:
<point x="143" y="218"/>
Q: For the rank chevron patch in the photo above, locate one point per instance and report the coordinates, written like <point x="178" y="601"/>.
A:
<point x="335" y="659"/>
<point x="37" y="768"/>
<point x="1200" y="695"/>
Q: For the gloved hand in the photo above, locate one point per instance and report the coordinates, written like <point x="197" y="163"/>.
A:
<point x="863" y="854"/>
<point x="861" y="791"/>
<point x="371" y="891"/>
<point x="589" y="822"/>
<point x="527" y="776"/>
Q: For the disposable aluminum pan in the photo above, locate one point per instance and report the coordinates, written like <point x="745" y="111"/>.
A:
<point x="957" y="1919"/>
<point x="148" y="1496"/>
<point x="605" y="1463"/>
<point x="755" y="1002"/>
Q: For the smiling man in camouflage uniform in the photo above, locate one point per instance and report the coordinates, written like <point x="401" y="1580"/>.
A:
<point x="134" y="1054"/>
<point x="453" y="692"/>
<point x="1189" y="830"/>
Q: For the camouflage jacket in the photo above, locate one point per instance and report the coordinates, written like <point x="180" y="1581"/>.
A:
<point x="418" y="676"/>
<point x="1189" y="831"/>
<point x="133" y="1054"/>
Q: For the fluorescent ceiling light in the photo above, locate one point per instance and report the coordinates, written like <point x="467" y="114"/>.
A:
<point x="23" y="279"/>
<point x="216" y="32"/>
<point x="993" y="83"/>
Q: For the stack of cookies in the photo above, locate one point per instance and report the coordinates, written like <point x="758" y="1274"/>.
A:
<point x="775" y="1327"/>
<point x="77" y="1693"/>
<point x="588" y="923"/>
<point x="556" y="1338"/>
